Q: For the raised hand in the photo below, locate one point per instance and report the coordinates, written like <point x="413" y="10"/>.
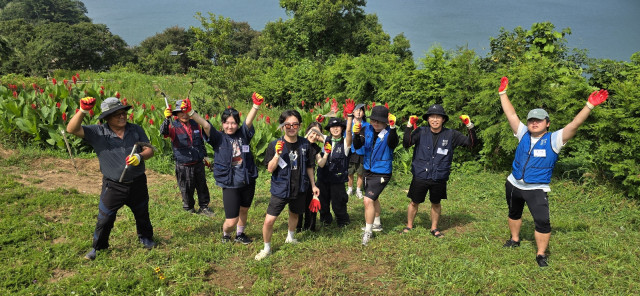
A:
<point x="392" y="120"/>
<point x="168" y="113"/>
<point x="504" y="84"/>
<point x="466" y="121"/>
<point x="334" y="106"/>
<point x="257" y="98"/>
<point x="314" y="205"/>
<point x="87" y="103"/>
<point x="133" y="160"/>
<point x="349" y="106"/>
<point x="597" y="97"/>
<point x="356" y="128"/>
<point x="320" y="118"/>
<point x="413" y="121"/>
<point x="327" y="148"/>
<point x="185" y="106"/>
<point x="279" y="147"/>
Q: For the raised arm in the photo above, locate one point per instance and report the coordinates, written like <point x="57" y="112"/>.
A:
<point x="75" y="123"/>
<point x="186" y="107"/>
<point x="348" y="109"/>
<point x="596" y="98"/>
<point x="507" y="107"/>
<point x="257" y="101"/>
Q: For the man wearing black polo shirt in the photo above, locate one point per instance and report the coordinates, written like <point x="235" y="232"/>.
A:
<point x="113" y="141"/>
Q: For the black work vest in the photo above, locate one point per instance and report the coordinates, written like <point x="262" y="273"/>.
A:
<point x="335" y="170"/>
<point x="188" y="149"/>
<point x="281" y="177"/>
<point x="432" y="161"/>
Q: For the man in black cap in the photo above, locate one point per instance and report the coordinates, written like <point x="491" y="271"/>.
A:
<point x="431" y="165"/>
<point x="124" y="181"/>
<point x="332" y="173"/>
<point x="189" y="151"/>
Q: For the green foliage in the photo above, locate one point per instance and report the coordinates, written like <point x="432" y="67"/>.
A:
<point x="165" y="53"/>
<point x="40" y="11"/>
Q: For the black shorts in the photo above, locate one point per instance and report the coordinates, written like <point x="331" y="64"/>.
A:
<point x="537" y="201"/>
<point x="296" y="205"/>
<point x="374" y="184"/>
<point x="419" y="188"/>
<point x="234" y="198"/>
<point x="355" y="164"/>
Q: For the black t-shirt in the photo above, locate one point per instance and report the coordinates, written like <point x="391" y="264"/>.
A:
<point x="294" y="162"/>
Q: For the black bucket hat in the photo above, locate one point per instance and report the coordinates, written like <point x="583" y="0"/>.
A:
<point x="380" y="113"/>
<point x="335" y="121"/>
<point x="109" y="106"/>
<point x="436" y="109"/>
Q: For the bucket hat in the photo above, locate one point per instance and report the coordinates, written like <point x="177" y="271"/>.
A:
<point x="335" y="121"/>
<point x="380" y="113"/>
<point x="436" y="109"/>
<point x="111" y="105"/>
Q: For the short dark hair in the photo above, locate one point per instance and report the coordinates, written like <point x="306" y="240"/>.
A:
<point x="312" y="125"/>
<point x="364" y="114"/>
<point x="230" y="112"/>
<point x="288" y="113"/>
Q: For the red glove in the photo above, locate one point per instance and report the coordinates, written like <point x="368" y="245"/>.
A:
<point x="257" y="98"/>
<point x="327" y="148"/>
<point x="349" y="106"/>
<point x="86" y="104"/>
<point x="413" y="120"/>
<point x="279" y="147"/>
<point x="186" y="107"/>
<point x="320" y="118"/>
<point x="314" y="206"/>
<point x="392" y="120"/>
<point x="597" y="97"/>
<point x="504" y="84"/>
<point x="334" y="106"/>
<point x="466" y="121"/>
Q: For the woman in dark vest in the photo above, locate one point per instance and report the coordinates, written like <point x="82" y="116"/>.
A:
<point x="234" y="167"/>
<point x="313" y="134"/>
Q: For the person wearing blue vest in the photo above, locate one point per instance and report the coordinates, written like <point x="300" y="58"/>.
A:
<point x="357" y="155"/>
<point x="291" y="164"/>
<point x="332" y="173"/>
<point x="189" y="151"/>
<point x="532" y="167"/>
<point x="234" y="167"/>
<point x="379" y="139"/>
<point x="431" y="164"/>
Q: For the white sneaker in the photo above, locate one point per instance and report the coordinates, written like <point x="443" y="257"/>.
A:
<point x="349" y="190"/>
<point x="263" y="254"/>
<point x="376" y="228"/>
<point x="366" y="237"/>
<point x="359" y="193"/>
<point x="291" y="241"/>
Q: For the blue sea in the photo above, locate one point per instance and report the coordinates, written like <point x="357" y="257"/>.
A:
<point x="607" y="29"/>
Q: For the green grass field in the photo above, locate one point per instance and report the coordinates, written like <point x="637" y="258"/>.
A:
<point x="594" y="249"/>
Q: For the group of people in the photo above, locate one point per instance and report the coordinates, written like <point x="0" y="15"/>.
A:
<point x="354" y="151"/>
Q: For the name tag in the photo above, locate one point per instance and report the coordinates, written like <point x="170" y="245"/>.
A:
<point x="382" y="133"/>
<point x="539" y="153"/>
<point x="281" y="163"/>
<point x="245" y="148"/>
<point x="442" y="151"/>
<point x="196" y="131"/>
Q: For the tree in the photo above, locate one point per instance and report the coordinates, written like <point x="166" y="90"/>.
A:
<point x="166" y="52"/>
<point x="37" y="11"/>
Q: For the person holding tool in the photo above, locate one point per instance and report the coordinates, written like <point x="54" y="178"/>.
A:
<point x="189" y="151"/>
<point x="113" y="142"/>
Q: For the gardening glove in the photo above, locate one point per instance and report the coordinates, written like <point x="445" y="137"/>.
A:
<point x="504" y="84"/>
<point x="356" y="128"/>
<point x="320" y="118"/>
<point x="597" y="97"/>
<point x="466" y="120"/>
<point x="133" y="160"/>
<point x="392" y="120"/>
<point x="279" y="147"/>
<point x="257" y="100"/>
<point x="207" y="163"/>
<point x="413" y="121"/>
<point x="314" y="205"/>
<point x="349" y="106"/>
<point x="327" y="148"/>
<point x="168" y="113"/>
<point x="86" y="104"/>
<point x="186" y="107"/>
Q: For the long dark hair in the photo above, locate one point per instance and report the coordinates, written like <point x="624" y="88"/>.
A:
<point x="230" y="112"/>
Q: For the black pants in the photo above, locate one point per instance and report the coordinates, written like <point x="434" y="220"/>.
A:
<point x="308" y="217"/>
<point x="191" y="178"/>
<point x="334" y="195"/>
<point x="114" y="195"/>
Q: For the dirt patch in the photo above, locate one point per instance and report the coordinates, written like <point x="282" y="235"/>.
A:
<point x="59" y="274"/>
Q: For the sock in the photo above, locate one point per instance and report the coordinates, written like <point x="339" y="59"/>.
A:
<point x="349" y="188"/>
<point x="358" y="190"/>
<point x="290" y="234"/>
<point x="376" y="220"/>
<point x="225" y="234"/>
<point x="267" y="246"/>
<point x="239" y="230"/>
<point x="368" y="227"/>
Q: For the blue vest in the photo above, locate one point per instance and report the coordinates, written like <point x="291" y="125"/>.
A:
<point x="432" y="161"/>
<point x="378" y="159"/>
<point x="361" y="150"/>
<point x="534" y="165"/>
<point x="280" y="178"/>
<point x="223" y="154"/>
<point x="335" y="171"/>
<point x="185" y="149"/>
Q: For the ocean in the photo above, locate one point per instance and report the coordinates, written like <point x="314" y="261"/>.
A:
<point x="607" y="29"/>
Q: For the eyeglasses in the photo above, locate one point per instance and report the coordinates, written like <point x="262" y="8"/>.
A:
<point x="120" y="114"/>
<point x="292" y="125"/>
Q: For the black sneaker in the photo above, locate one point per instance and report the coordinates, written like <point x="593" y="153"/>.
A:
<point x="207" y="212"/>
<point x="226" y="238"/>
<point x="192" y="211"/>
<point x="511" y="244"/>
<point x="147" y="243"/>
<point x="243" y="239"/>
<point x="91" y="255"/>
<point x="542" y="260"/>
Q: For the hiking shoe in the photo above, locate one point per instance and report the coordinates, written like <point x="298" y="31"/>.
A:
<point x="376" y="228"/>
<point x="359" y="193"/>
<point x="263" y="254"/>
<point x="91" y="255"/>
<point x="511" y="244"/>
<point x="291" y="241"/>
<point x="542" y="260"/>
<point x="226" y="238"/>
<point x="349" y="190"/>
<point x="243" y="239"/>
<point x="207" y="212"/>
<point x="147" y="243"/>
<point x="192" y="211"/>
<point x="366" y="237"/>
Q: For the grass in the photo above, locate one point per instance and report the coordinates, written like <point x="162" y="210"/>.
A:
<point x="44" y="234"/>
